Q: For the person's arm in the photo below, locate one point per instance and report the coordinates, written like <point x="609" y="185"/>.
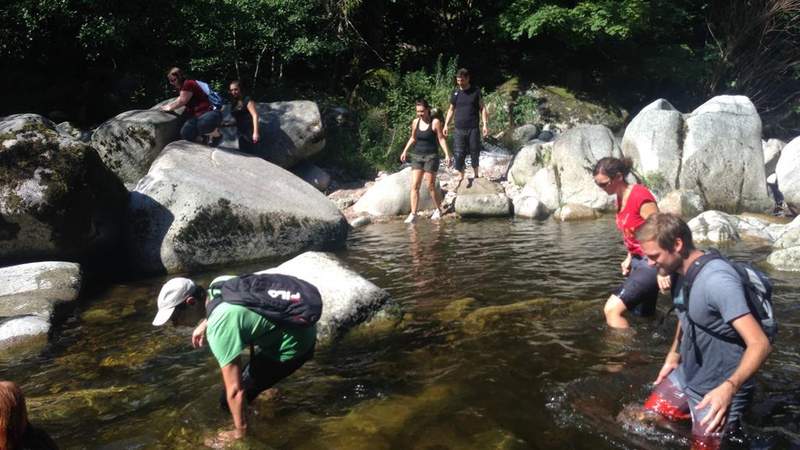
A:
<point x="673" y="358"/>
<point x="199" y="333"/>
<point x="447" y="118"/>
<point x="411" y="141"/>
<point x="182" y="100"/>
<point x="437" y="127"/>
<point x="625" y="265"/>
<point x="234" y="391"/>
<point x="251" y="107"/>
<point x="485" y="119"/>
<point x="755" y="353"/>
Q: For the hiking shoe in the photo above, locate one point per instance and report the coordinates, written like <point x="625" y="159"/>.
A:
<point x="436" y="215"/>
<point x="411" y="218"/>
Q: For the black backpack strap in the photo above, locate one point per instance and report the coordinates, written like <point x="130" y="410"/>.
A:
<point x="211" y="305"/>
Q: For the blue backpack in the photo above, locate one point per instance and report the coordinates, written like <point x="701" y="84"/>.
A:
<point x="213" y="98"/>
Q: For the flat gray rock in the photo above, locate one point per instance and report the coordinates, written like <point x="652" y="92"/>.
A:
<point x="34" y="288"/>
<point x="481" y="198"/>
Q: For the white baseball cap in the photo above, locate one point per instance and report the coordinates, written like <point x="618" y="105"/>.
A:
<point x="172" y="294"/>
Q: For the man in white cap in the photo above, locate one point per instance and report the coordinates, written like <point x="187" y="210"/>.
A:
<point x="276" y="352"/>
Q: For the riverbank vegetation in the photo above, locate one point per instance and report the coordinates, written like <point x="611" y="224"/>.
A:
<point x="87" y="60"/>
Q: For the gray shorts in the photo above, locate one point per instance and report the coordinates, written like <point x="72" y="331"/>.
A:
<point x="428" y="163"/>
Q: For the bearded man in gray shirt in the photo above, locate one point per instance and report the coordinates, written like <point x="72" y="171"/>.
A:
<point x="719" y="345"/>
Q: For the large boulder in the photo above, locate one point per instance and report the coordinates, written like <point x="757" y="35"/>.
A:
<point x="787" y="259"/>
<point x="686" y="204"/>
<point x="574" y="155"/>
<point x="653" y="141"/>
<point x="562" y="106"/>
<point x="481" y="198"/>
<point x="199" y="206"/>
<point x="29" y="294"/>
<point x="788" y="172"/>
<point x="131" y="141"/>
<point x="527" y="162"/>
<point x="290" y="132"/>
<point x="722" y="155"/>
<point x="348" y="298"/>
<point x="523" y="134"/>
<point x="494" y="161"/>
<point x="544" y="187"/>
<point x="57" y="198"/>
<point x="389" y="196"/>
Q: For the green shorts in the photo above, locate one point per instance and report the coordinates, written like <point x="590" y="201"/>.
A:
<point x="428" y="163"/>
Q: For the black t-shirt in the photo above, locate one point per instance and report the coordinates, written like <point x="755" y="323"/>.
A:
<point x="467" y="104"/>
<point x="240" y="113"/>
<point x="37" y="439"/>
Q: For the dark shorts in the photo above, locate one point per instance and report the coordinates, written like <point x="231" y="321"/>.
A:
<point x="674" y="401"/>
<point x="466" y="141"/>
<point x="261" y="373"/>
<point x="428" y="163"/>
<point x="639" y="291"/>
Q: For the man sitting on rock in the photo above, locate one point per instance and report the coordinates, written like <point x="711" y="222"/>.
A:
<point x="235" y="308"/>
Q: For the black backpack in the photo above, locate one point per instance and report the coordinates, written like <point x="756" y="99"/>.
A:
<point x="285" y="300"/>
<point x="757" y="291"/>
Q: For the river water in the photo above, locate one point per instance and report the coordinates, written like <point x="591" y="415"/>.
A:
<point x="502" y="346"/>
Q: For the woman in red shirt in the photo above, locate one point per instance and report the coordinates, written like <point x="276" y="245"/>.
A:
<point x="201" y="118"/>
<point x="639" y="291"/>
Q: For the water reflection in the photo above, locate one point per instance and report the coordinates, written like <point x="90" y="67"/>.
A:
<point x="503" y="345"/>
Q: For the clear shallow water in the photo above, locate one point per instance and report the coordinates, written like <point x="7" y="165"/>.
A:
<point x="502" y="346"/>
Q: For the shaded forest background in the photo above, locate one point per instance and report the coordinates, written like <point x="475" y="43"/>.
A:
<point x="87" y="60"/>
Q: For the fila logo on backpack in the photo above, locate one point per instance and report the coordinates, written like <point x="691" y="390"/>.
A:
<point x="284" y="300"/>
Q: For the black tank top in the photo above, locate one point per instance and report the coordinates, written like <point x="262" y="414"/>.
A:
<point x="426" y="140"/>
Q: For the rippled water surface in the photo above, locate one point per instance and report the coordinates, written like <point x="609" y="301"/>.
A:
<point x="502" y="346"/>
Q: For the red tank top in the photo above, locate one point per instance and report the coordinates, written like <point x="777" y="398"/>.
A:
<point x="629" y="219"/>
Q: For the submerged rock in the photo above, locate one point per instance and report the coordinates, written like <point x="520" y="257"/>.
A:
<point x="348" y="298"/>
<point x="720" y="227"/>
<point x="57" y="198"/>
<point x="530" y="207"/>
<point x="786" y="259"/>
<point x="199" y="206"/>
<point x="570" y="212"/>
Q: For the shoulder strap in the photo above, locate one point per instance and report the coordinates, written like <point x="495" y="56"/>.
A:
<point x="710" y="255"/>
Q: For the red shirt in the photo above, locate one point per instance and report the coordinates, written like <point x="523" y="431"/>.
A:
<point x="198" y="104"/>
<point x="629" y="219"/>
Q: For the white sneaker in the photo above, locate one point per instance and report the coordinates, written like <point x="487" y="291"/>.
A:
<point x="411" y="218"/>
<point x="436" y="215"/>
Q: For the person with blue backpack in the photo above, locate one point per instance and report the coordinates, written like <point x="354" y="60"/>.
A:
<point x="274" y="315"/>
<point x="202" y="108"/>
<point x="724" y="333"/>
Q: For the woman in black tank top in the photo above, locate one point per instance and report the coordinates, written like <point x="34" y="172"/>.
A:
<point x="426" y="133"/>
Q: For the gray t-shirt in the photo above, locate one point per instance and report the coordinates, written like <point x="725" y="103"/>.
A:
<point x="717" y="298"/>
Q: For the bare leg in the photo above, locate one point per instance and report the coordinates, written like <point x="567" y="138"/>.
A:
<point x="416" y="180"/>
<point x="613" y="310"/>
<point x="430" y="181"/>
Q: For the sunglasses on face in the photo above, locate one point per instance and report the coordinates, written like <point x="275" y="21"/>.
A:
<point x="604" y="183"/>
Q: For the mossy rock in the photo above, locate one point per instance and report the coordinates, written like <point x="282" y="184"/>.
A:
<point x="561" y="106"/>
<point x="58" y="199"/>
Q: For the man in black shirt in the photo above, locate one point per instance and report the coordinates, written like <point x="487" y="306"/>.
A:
<point x="466" y="104"/>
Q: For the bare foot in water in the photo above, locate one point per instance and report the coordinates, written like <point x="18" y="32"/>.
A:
<point x="268" y="395"/>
